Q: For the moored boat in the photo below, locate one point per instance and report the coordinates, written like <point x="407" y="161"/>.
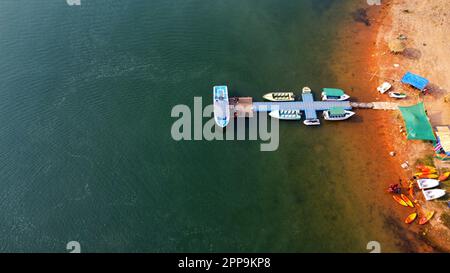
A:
<point x="334" y="94"/>
<point x="337" y="113"/>
<point x="221" y="105"/>
<point x="279" y="96"/>
<point x="427" y="183"/>
<point x="433" y="194"/>
<point x="286" y="114"/>
<point x="397" y="95"/>
<point x="312" y="122"/>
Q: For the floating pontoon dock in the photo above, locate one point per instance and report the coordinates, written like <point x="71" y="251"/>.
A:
<point x="245" y="107"/>
<point x="307" y="104"/>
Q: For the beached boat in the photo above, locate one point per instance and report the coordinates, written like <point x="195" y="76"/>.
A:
<point x="444" y="176"/>
<point x="312" y="122"/>
<point x="429" y="171"/>
<point x="427" y="183"/>
<point x="384" y="87"/>
<point x="424" y="168"/>
<point x="428" y="175"/>
<point x="399" y="200"/>
<point x="407" y="201"/>
<point x="221" y="105"/>
<point x="279" y="96"/>
<point x="433" y="194"/>
<point x="286" y="114"/>
<point x="337" y="113"/>
<point x="334" y="94"/>
<point x="424" y="219"/>
<point x="411" y="218"/>
<point x="397" y="95"/>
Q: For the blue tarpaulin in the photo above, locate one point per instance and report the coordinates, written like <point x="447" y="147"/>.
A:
<point x="415" y="80"/>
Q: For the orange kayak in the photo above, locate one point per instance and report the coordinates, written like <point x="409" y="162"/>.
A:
<point x="422" y="173"/>
<point x="411" y="192"/>
<point x="431" y="176"/>
<point x="399" y="200"/>
<point x="411" y="218"/>
<point x="444" y="176"/>
<point x="423" y="168"/>
<point x="426" y="218"/>
<point x="407" y="201"/>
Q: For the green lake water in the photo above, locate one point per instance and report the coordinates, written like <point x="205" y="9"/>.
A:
<point x="86" y="152"/>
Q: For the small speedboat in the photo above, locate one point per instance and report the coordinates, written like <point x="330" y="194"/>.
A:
<point x="384" y="87"/>
<point x="279" y="96"/>
<point x="397" y="95"/>
<point x="427" y="183"/>
<point x="433" y="194"/>
<point x="286" y="114"/>
<point x="334" y="94"/>
<point x="337" y="113"/>
<point x="311" y="122"/>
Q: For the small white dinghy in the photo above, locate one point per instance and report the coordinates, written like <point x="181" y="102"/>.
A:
<point x="433" y="194"/>
<point x="427" y="183"/>
<point x="384" y="87"/>
<point x="286" y="114"/>
<point x="312" y="122"/>
<point x="397" y="95"/>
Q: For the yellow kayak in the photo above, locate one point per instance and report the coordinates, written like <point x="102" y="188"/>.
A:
<point x="422" y="173"/>
<point x="411" y="218"/>
<point x="426" y="218"/>
<point x="430" y="176"/>
<point x="399" y="200"/>
<point x="444" y="176"/>
<point x="407" y="201"/>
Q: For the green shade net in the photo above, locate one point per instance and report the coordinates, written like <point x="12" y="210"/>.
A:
<point x="417" y="124"/>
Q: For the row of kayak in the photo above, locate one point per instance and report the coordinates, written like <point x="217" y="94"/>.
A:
<point x="406" y="202"/>
<point x="423" y="220"/>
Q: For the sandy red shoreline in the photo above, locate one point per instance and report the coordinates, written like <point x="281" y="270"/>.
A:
<point x="361" y="70"/>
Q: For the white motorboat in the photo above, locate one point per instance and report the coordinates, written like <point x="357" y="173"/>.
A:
<point x="397" y="95"/>
<point x="334" y="94"/>
<point x="384" y="87"/>
<point x="337" y="113"/>
<point x="221" y="106"/>
<point x="286" y="114"/>
<point x="427" y="183"/>
<point x="279" y="96"/>
<point x="306" y="90"/>
<point x="311" y="122"/>
<point x="433" y="194"/>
